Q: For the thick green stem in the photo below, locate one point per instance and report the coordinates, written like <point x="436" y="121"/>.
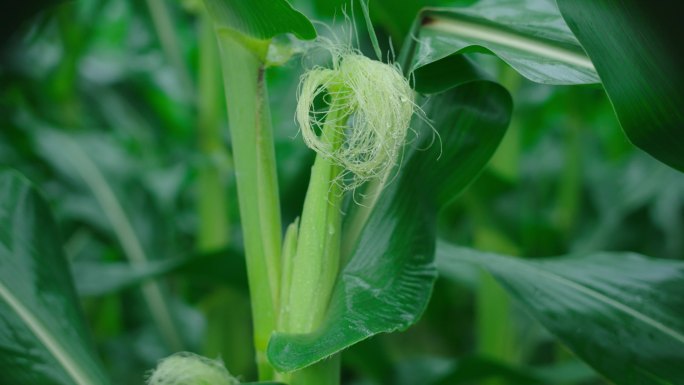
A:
<point x="326" y="372"/>
<point x="254" y="162"/>
<point x="212" y="195"/>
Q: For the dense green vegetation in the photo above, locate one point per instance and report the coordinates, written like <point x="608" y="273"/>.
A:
<point x="530" y="231"/>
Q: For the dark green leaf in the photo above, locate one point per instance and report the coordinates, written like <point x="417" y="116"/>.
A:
<point x="529" y="35"/>
<point x="388" y="281"/>
<point x="620" y="312"/>
<point x="260" y="19"/>
<point x="446" y="73"/>
<point x="44" y="338"/>
<point x="637" y="50"/>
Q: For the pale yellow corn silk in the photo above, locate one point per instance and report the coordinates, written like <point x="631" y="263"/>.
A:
<point x="190" y="369"/>
<point x="376" y="104"/>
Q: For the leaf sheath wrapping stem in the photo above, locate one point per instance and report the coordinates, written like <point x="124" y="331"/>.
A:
<point x="257" y="185"/>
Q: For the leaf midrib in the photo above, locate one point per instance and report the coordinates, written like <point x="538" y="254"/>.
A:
<point x="489" y="33"/>
<point x="46" y="338"/>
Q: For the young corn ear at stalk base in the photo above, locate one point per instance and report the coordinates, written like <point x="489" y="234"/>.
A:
<point x="358" y="138"/>
<point x="362" y="133"/>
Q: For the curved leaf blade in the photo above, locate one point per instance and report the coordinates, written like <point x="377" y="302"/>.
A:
<point x="622" y="313"/>
<point x="388" y="281"/>
<point x="43" y="338"/>
<point x="529" y="35"/>
<point x="261" y="19"/>
<point x="637" y="50"/>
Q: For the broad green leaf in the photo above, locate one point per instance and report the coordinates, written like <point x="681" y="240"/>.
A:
<point x="633" y="49"/>
<point x="622" y="313"/>
<point x="530" y="35"/>
<point x="260" y="19"/>
<point x="388" y="280"/>
<point x="636" y="47"/>
<point x="43" y="335"/>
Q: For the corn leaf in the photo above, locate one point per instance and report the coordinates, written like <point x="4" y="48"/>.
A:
<point x="622" y="313"/>
<point x="529" y="35"/>
<point x="388" y="280"/>
<point x="44" y="338"/>
<point x="637" y="50"/>
<point x="632" y="48"/>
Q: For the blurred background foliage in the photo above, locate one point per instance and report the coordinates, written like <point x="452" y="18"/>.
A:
<point x="116" y="111"/>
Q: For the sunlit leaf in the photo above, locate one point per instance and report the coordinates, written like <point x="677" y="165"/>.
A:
<point x="633" y="50"/>
<point x="529" y="35"/>
<point x="388" y="281"/>
<point x="43" y="335"/>
<point x="622" y="313"/>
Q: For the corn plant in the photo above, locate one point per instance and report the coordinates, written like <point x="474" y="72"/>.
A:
<point x="390" y="146"/>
